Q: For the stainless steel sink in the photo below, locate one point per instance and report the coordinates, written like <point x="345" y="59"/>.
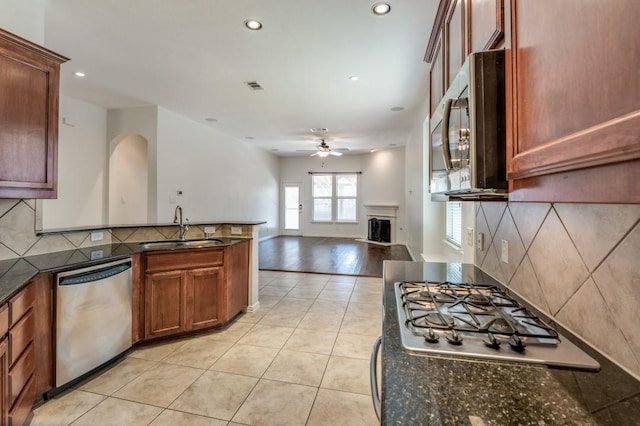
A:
<point x="176" y="244"/>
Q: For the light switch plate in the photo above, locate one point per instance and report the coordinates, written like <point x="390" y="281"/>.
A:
<point x="470" y="237"/>
<point x="236" y="230"/>
<point x="97" y="236"/>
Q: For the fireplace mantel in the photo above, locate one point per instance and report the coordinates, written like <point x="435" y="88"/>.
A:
<point x="381" y="210"/>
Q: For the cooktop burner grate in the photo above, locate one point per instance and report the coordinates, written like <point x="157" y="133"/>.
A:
<point x="471" y="308"/>
<point x="479" y="321"/>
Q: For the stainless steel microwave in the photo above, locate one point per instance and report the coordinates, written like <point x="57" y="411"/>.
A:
<point x="467" y="158"/>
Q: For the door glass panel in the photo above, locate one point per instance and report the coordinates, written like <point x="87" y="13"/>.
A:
<point x="291" y="208"/>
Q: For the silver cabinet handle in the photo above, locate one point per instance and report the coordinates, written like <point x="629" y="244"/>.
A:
<point x="373" y="376"/>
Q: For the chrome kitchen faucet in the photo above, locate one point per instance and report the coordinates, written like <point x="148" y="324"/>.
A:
<point x="183" y="227"/>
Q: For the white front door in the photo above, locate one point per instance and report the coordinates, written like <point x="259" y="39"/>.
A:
<point x="292" y="209"/>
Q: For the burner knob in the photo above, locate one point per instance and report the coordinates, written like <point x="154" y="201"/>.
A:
<point x="492" y="342"/>
<point x="454" y="338"/>
<point x="516" y="344"/>
<point x="431" y="336"/>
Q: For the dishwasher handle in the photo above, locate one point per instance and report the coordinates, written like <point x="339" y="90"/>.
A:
<point x="373" y="376"/>
<point x="94" y="275"/>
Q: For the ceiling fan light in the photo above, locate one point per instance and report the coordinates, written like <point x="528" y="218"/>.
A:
<point x="323" y="154"/>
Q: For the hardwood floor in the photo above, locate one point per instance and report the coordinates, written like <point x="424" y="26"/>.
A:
<point x="326" y="255"/>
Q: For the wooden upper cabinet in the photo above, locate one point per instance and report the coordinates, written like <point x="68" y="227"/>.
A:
<point x="455" y="36"/>
<point x="436" y="77"/>
<point x="29" y="84"/>
<point x="486" y="24"/>
<point x="574" y="127"/>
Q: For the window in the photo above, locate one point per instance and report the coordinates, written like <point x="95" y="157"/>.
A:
<point x="335" y="197"/>
<point x="454" y="222"/>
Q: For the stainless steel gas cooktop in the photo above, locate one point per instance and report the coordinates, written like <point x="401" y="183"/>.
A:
<point x="480" y="321"/>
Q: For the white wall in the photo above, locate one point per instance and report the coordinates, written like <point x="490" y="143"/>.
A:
<point x="221" y="178"/>
<point x="24" y="18"/>
<point x="82" y="155"/>
<point x="381" y="182"/>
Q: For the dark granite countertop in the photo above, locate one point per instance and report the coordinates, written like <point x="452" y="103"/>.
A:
<point x="433" y="390"/>
<point x="15" y="273"/>
<point x="149" y="225"/>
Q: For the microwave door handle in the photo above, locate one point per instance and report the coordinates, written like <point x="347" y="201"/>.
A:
<point x="446" y="152"/>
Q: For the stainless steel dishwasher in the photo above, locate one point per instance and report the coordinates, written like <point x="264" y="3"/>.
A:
<point x="93" y="318"/>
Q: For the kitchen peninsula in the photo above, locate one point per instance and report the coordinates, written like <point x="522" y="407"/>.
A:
<point x="213" y="281"/>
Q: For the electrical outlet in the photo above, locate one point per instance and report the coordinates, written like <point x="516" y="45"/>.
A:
<point x="236" y="230"/>
<point x="97" y="254"/>
<point x="480" y="242"/>
<point x="209" y="229"/>
<point x="470" y="237"/>
<point x="97" y="236"/>
<point x="504" y="253"/>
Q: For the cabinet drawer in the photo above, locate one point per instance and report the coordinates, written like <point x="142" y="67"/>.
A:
<point x="20" y="303"/>
<point x="20" y="373"/>
<point x="184" y="259"/>
<point x="22" y="407"/>
<point x="4" y="320"/>
<point x="20" y="336"/>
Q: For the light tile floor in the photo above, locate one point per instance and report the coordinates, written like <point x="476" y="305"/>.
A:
<point x="301" y="359"/>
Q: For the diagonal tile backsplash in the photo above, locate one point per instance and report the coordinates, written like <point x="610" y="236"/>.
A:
<point x="576" y="262"/>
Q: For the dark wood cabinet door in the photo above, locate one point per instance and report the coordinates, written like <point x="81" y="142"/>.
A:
<point x="455" y="30"/>
<point x="237" y="270"/>
<point x="4" y="381"/>
<point x="486" y="24"/>
<point x="165" y="303"/>
<point x="204" y="297"/>
<point x="574" y="128"/>
<point x="436" y="77"/>
<point x="29" y="84"/>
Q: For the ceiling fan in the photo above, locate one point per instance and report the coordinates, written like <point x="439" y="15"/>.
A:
<point x="324" y="150"/>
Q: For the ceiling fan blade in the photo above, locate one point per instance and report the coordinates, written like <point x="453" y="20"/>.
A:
<point x="314" y="154"/>
<point x="335" y="153"/>
<point x="340" y="149"/>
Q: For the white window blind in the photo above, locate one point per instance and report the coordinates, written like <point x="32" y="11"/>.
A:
<point x="454" y="222"/>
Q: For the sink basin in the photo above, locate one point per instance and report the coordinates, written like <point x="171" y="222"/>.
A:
<point x="176" y="244"/>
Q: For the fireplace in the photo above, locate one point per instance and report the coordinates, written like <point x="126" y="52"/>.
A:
<point x="381" y="221"/>
<point x="379" y="230"/>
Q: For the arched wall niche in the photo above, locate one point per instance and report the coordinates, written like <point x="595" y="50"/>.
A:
<point x="128" y="179"/>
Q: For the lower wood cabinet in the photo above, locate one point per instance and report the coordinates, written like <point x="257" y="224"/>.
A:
<point x="183" y="291"/>
<point x="17" y="357"/>
<point x="183" y="300"/>
<point x="4" y="381"/>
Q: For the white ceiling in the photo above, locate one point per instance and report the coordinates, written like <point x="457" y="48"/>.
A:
<point x="194" y="56"/>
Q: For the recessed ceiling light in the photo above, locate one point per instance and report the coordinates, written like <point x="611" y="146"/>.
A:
<point x="79" y="74"/>
<point x="249" y="137"/>
<point x="318" y="129"/>
<point x="354" y="78"/>
<point x="253" y="25"/>
<point x="392" y="144"/>
<point x="397" y="108"/>
<point x="381" y="9"/>
<point x="211" y="119"/>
